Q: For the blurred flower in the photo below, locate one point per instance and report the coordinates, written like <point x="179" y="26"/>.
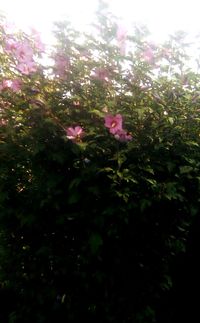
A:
<point x="20" y="50"/>
<point x="123" y="136"/>
<point x="148" y="55"/>
<point x="5" y="84"/>
<point x="3" y="122"/>
<point x="121" y="38"/>
<point x="10" y="45"/>
<point x="27" y="67"/>
<point x="37" y="40"/>
<point x="121" y="33"/>
<point x="9" y="27"/>
<point x="14" y="85"/>
<point x="23" y="52"/>
<point x="113" y="123"/>
<point x="76" y="103"/>
<point x="62" y="64"/>
<point x="105" y="109"/>
<point x="75" y="134"/>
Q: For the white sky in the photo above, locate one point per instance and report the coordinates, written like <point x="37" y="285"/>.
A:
<point x="161" y="17"/>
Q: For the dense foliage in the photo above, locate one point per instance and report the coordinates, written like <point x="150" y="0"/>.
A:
<point x="99" y="173"/>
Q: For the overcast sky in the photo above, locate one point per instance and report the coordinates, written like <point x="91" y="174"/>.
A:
<point x="162" y="17"/>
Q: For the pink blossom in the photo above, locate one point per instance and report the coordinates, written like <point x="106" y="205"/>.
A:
<point x="62" y="64"/>
<point x="122" y="48"/>
<point x="113" y="123"/>
<point x="3" y="122"/>
<point x="76" y="103"/>
<point x="121" y="33"/>
<point x="39" y="44"/>
<point x="23" y="52"/>
<point x="37" y="40"/>
<point x="10" y="45"/>
<point x="148" y="55"/>
<point x="5" y="84"/>
<point x="121" y="38"/>
<point x="123" y="136"/>
<point x="75" y="134"/>
<point x="27" y="67"/>
<point x="10" y="27"/>
<point x="14" y="85"/>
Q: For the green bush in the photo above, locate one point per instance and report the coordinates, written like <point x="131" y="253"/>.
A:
<point x="93" y="212"/>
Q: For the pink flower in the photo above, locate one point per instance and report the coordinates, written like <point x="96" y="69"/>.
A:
<point x="123" y="136"/>
<point x="113" y="123"/>
<point x="76" y="103"/>
<point x="75" y="134"/>
<point x="121" y="38"/>
<point x="148" y="55"/>
<point x="10" y="27"/>
<point x="62" y="64"/>
<point x="5" y="84"/>
<point x="121" y="34"/>
<point x="39" y="44"/>
<point x="122" y="49"/>
<point x="14" y="85"/>
<point x="27" y="67"/>
<point x="37" y="40"/>
<point x="3" y="122"/>
<point x="23" y="52"/>
<point x="10" y="45"/>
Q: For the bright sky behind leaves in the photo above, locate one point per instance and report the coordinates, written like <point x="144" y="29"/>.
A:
<point x="161" y="16"/>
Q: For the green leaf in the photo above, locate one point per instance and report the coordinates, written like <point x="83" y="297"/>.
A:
<point x="75" y="183"/>
<point x="144" y="204"/>
<point x="185" y="169"/>
<point x="98" y="113"/>
<point x="192" y="143"/>
<point x="151" y="181"/>
<point x="73" y="198"/>
<point x="95" y="242"/>
<point x="171" y="120"/>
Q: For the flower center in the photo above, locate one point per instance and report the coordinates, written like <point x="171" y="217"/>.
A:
<point x="113" y="124"/>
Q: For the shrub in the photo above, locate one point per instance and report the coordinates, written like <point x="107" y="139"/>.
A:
<point x="99" y="173"/>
